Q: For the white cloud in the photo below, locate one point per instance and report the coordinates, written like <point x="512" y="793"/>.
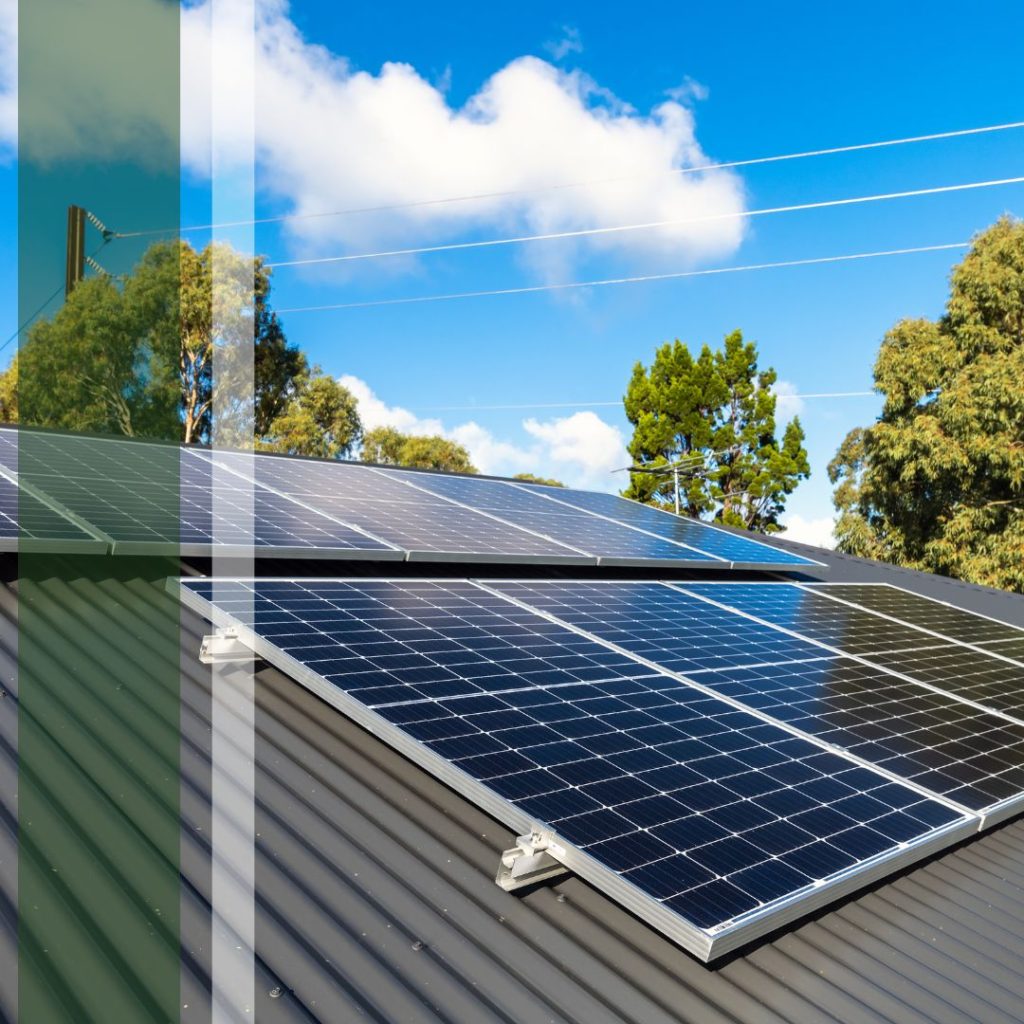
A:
<point x="376" y="413"/>
<point x="580" y="449"/>
<point x="331" y="137"/>
<point x="76" y="110"/>
<point x="8" y="77"/>
<point x="582" y="441"/>
<point x="571" y="42"/>
<point x="810" y="531"/>
<point x="788" y="402"/>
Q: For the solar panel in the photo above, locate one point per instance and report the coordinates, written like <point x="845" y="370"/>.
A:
<point x="611" y="543"/>
<point x="708" y="821"/>
<point x="650" y="620"/>
<point x="986" y="676"/>
<point x="941" y="743"/>
<point x="936" y="616"/>
<point x="154" y="499"/>
<point x="426" y="526"/>
<point x="26" y="524"/>
<point x="703" y="536"/>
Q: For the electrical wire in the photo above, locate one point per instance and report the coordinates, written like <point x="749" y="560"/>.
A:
<point x="509" y="193"/>
<point x="530" y="289"/>
<point x="50" y="298"/>
<point x="674" y="222"/>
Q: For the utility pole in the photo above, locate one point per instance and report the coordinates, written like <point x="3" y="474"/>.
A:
<point x="75" y="262"/>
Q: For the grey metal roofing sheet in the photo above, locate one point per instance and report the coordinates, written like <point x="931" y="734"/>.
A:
<point x="376" y="900"/>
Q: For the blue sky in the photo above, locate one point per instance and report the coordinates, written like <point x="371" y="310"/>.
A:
<point x="756" y="81"/>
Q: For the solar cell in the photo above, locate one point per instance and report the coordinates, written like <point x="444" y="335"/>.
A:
<point x="704" y="819"/>
<point x="612" y="543"/>
<point x="951" y="748"/>
<point x="1008" y="648"/>
<point x="426" y="526"/>
<point x="26" y="524"/>
<point x="814" y="616"/>
<point x="923" y="612"/>
<point x="682" y="530"/>
<point x="650" y="620"/>
<point x="155" y="498"/>
<point x="986" y="676"/>
<point x="894" y="724"/>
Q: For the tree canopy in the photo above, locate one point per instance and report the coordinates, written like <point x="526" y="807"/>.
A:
<point x="134" y="355"/>
<point x="714" y="418"/>
<point x="390" y="447"/>
<point x="937" y="483"/>
<point x="321" y="419"/>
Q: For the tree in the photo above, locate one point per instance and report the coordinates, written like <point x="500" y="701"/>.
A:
<point x="713" y="418"/>
<point x="99" y="364"/>
<point x="321" y="420"/>
<point x="239" y="316"/>
<point x="530" y="478"/>
<point x="9" y="392"/>
<point x="389" y="447"/>
<point x="937" y="483"/>
<point x="134" y="355"/>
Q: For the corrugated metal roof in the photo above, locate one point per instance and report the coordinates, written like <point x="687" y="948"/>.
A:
<point x="376" y="898"/>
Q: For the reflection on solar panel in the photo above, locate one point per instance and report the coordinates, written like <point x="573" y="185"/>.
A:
<point x="428" y="527"/>
<point x="920" y="611"/>
<point x="708" y="821"/>
<point x="933" y="740"/>
<point x="730" y="547"/>
<point x="983" y="675"/>
<point x="941" y="743"/>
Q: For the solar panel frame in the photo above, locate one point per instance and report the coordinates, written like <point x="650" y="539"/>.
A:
<point x="76" y="537"/>
<point x="705" y="943"/>
<point x="63" y="534"/>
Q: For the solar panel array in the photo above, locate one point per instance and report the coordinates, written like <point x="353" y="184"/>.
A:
<point x="719" y="757"/>
<point x="143" y="497"/>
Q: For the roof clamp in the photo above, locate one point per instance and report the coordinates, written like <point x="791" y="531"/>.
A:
<point x="224" y="647"/>
<point x="531" y="860"/>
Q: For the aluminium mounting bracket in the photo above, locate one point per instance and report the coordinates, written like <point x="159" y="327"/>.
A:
<point x="533" y="859"/>
<point x="224" y="647"/>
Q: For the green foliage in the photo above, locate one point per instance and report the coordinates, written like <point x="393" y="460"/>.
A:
<point x="714" y="416"/>
<point x="937" y="483"/>
<point x="9" y="392"/>
<point x="102" y="363"/>
<point x="389" y="447"/>
<point x="135" y="355"/>
<point x="321" y="420"/>
<point x="530" y="478"/>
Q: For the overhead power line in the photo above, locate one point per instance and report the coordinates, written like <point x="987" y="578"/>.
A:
<point x="673" y="222"/>
<point x="509" y="193"/>
<point x="90" y="258"/>
<point x="604" y="282"/>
